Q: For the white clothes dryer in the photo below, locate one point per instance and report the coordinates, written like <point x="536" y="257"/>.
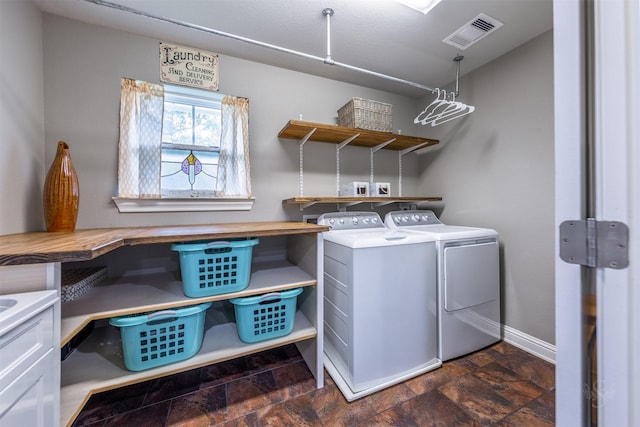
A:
<point x="468" y="281"/>
<point x="379" y="316"/>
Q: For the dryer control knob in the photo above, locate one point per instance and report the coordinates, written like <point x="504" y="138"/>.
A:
<point x="354" y="220"/>
<point x="366" y="220"/>
<point x="416" y="217"/>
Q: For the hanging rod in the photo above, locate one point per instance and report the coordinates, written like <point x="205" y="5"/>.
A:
<point x="457" y="60"/>
<point x="327" y="60"/>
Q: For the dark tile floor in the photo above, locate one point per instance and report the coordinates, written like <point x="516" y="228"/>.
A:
<point x="499" y="385"/>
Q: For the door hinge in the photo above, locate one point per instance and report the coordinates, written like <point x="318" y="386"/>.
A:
<point x="603" y="244"/>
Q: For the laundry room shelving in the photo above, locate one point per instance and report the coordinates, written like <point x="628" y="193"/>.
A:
<point x="344" y="202"/>
<point x="296" y="129"/>
<point x="343" y="136"/>
<point x="97" y="364"/>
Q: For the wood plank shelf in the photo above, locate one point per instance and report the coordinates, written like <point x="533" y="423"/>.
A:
<point x="305" y="202"/>
<point x="83" y="245"/>
<point x="343" y="136"/>
<point x="295" y="129"/>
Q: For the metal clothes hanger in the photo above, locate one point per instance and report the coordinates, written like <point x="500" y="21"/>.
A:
<point x="433" y="104"/>
<point x="442" y="110"/>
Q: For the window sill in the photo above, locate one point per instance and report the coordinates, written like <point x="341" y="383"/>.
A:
<point x="126" y="205"/>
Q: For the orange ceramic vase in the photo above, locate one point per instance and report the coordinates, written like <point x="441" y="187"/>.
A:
<point x="61" y="192"/>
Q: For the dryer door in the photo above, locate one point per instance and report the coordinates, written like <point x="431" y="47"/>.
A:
<point x="471" y="274"/>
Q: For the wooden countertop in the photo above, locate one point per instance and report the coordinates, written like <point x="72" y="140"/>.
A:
<point x="82" y="245"/>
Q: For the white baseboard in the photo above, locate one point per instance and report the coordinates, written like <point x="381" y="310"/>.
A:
<point x="530" y="344"/>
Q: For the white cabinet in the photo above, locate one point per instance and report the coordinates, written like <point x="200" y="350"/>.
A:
<point x="29" y="362"/>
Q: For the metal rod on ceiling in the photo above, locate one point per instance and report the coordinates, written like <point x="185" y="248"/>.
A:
<point x="457" y="60"/>
<point x="328" y="12"/>
<point x="327" y="60"/>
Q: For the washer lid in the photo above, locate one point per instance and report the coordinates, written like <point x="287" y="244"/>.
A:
<point x="373" y="238"/>
<point x="427" y="222"/>
<point x="451" y="232"/>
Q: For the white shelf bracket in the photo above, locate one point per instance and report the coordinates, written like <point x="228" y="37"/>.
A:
<point x="301" y="156"/>
<point x="377" y="148"/>
<point x="338" y="148"/>
<point x="400" y="154"/>
<point x="342" y="207"/>
<point x="380" y="204"/>
<point x="306" y="205"/>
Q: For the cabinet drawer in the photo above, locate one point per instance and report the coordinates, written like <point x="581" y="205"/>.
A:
<point x="23" y="345"/>
<point x="29" y="399"/>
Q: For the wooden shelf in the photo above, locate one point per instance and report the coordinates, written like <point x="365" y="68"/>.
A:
<point x="162" y="291"/>
<point x="95" y="367"/>
<point x="342" y="136"/>
<point x="305" y="202"/>
<point x="83" y="245"/>
<point x="332" y="134"/>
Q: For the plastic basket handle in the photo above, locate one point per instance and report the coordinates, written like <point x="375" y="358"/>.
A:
<point x="219" y="243"/>
<point x="270" y="297"/>
<point x="161" y="314"/>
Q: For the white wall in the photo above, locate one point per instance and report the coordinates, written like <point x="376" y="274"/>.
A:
<point x="22" y="164"/>
<point x="84" y="64"/>
<point x="495" y="168"/>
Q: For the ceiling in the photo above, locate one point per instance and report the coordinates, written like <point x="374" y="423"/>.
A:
<point x="382" y="36"/>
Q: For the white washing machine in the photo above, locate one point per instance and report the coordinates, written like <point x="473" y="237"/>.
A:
<point x="379" y="315"/>
<point x="468" y="281"/>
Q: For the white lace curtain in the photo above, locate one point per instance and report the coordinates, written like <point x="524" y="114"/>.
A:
<point x="139" y="152"/>
<point x="141" y="107"/>
<point x="233" y="163"/>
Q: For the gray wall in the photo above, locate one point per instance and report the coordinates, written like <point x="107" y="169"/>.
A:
<point x="22" y="164"/>
<point x="495" y="169"/>
<point x="83" y="67"/>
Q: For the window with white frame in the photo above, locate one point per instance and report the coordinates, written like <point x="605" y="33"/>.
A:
<point x="191" y="124"/>
<point x="183" y="149"/>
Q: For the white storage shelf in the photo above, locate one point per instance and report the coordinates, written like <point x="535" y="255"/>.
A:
<point x="95" y="367"/>
<point x="34" y="259"/>
<point x="159" y="291"/>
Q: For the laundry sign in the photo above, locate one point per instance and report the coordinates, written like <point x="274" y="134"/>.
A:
<point x="186" y="66"/>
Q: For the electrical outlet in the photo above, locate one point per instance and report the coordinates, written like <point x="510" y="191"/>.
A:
<point x="310" y="219"/>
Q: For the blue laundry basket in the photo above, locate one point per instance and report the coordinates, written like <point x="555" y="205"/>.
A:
<point x="263" y="317"/>
<point x="215" y="267"/>
<point x="162" y="337"/>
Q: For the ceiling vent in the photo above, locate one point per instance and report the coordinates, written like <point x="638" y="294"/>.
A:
<point x="473" y="31"/>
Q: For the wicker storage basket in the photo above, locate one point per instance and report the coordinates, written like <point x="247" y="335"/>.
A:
<point x="366" y="114"/>
<point x="77" y="281"/>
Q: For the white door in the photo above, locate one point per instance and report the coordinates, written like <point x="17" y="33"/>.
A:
<point x="616" y="134"/>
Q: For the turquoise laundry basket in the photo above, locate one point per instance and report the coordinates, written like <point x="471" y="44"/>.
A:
<point x="162" y="337"/>
<point x="263" y="317"/>
<point x="215" y="267"/>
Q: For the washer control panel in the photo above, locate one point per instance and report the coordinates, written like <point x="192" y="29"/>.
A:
<point x="408" y="218"/>
<point x="351" y="220"/>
